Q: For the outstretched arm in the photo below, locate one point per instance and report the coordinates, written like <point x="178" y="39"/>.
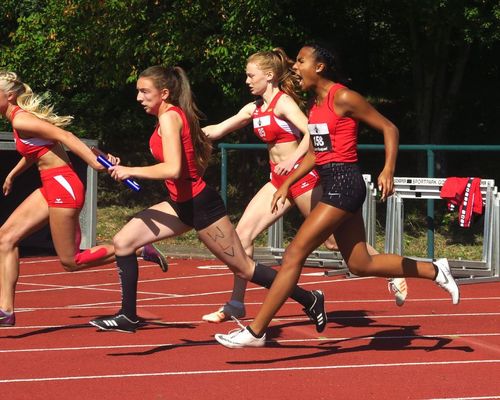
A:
<point x="171" y="168"/>
<point x="238" y="121"/>
<point x="33" y="126"/>
<point x="355" y="106"/>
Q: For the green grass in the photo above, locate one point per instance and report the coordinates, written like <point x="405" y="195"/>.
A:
<point x="449" y="241"/>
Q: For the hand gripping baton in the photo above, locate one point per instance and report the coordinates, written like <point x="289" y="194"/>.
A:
<point x="103" y="160"/>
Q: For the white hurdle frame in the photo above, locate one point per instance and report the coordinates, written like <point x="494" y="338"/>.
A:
<point x="329" y="259"/>
<point x="467" y="271"/>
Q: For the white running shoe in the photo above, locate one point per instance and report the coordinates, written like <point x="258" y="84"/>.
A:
<point x="446" y="281"/>
<point x="399" y="287"/>
<point x="239" y="338"/>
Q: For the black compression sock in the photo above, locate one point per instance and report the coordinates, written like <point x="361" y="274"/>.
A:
<point x="253" y="333"/>
<point x="264" y="276"/>
<point x="128" y="269"/>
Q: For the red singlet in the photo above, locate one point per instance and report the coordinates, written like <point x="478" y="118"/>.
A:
<point x="190" y="182"/>
<point x="334" y="138"/>
<point x="30" y="147"/>
<point x="269" y="128"/>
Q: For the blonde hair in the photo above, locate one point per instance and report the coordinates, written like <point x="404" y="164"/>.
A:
<point x="176" y="81"/>
<point x="29" y="101"/>
<point x="280" y="64"/>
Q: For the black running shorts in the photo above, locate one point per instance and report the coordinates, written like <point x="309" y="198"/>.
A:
<point x="343" y="185"/>
<point x="202" y="210"/>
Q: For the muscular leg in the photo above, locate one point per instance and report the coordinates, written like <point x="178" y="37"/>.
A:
<point x="315" y="229"/>
<point x="349" y="230"/>
<point x="352" y="243"/>
<point x="255" y="219"/>
<point x="31" y="215"/>
<point x="306" y="202"/>
<point x="65" y="230"/>
<point x="155" y="223"/>
<point x="222" y="240"/>
<point x="397" y="286"/>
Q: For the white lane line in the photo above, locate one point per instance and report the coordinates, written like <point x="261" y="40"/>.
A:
<point x="92" y="270"/>
<point x="280" y="341"/>
<point x="159" y="296"/>
<point x="250" y="370"/>
<point x="93" y="288"/>
<point x="51" y="260"/>
<point x="468" y="398"/>
<point x="97" y="285"/>
<point x="169" y="295"/>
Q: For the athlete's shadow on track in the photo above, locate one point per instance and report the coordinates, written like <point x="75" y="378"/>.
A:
<point x="185" y="343"/>
<point x="336" y="320"/>
<point x="399" y="337"/>
<point x="354" y="318"/>
<point x="146" y="325"/>
<point x="50" y="329"/>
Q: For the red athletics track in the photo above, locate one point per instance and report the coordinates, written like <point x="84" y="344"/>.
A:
<point x="371" y="349"/>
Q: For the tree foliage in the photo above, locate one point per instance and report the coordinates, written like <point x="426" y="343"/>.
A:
<point x="427" y="64"/>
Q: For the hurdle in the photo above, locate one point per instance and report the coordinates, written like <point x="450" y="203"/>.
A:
<point x="466" y="271"/>
<point x="332" y="260"/>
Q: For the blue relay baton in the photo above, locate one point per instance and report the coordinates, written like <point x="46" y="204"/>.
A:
<point x="103" y="160"/>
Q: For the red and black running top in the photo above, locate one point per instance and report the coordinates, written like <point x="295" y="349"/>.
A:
<point x="190" y="183"/>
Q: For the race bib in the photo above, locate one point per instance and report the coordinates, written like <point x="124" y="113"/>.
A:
<point x="265" y="120"/>
<point x="320" y="136"/>
<point x="258" y="125"/>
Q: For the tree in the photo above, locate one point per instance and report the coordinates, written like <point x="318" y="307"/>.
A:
<point x="441" y="37"/>
<point x="413" y="59"/>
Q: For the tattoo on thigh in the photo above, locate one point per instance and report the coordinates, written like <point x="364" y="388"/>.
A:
<point x="217" y="237"/>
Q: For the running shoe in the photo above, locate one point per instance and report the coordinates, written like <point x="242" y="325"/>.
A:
<point x="224" y="314"/>
<point x="151" y="253"/>
<point x="7" y="319"/>
<point x="399" y="288"/>
<point x="239" y="338"/>
<point x="446" y="281"/>
<point x="316" y="312"/>
<point x="118" y="322"/>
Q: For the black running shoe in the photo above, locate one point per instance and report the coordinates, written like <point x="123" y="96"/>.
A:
<point x="118" y="322"/>
<point x="316" y="312"/>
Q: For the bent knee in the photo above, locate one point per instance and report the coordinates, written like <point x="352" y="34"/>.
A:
<point x="331" y="244"/>
<point x="69" y="264"/>
<point x="359" y="269"/>
<point x="122" y="245"/>
<point x="246" y="275"/>
<point x="7" y="241"/>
